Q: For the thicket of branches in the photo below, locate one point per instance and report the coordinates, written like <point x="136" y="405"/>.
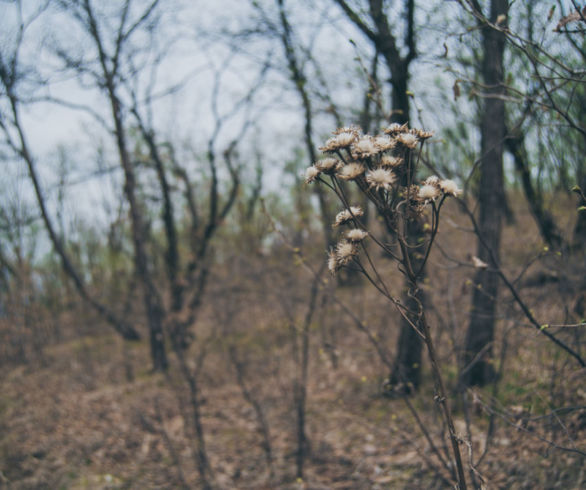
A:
<point x="176" y="211"/>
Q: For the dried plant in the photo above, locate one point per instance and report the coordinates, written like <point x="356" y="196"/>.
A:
<point x="383" y="168"/>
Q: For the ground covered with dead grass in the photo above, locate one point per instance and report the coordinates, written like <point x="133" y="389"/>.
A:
<point x="88" y="413"/>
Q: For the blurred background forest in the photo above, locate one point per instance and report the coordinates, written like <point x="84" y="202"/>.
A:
<point x="167" y="317"/>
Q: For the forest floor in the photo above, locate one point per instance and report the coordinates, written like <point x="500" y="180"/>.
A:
<point x="87" y="412"/>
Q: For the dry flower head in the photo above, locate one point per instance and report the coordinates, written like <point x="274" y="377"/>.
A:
<point x="384" y="142"/>
<point x="408" y="140"/>
<point x="328" y="165"/>
<point x="365" y="147"/>
<point x="311" y="173"/>
<point x="428" y="192"/>
<point x="342" y="138"/>
<point x="345" y="251"/>
<point x="333" y="264"/>
<point x="380" y="178"/>
<point x="356" y="235"/>
<point x="396" y="128"/>
<point x="356" y="130"/>
<point x="450" y="188"/>
<point x="348" y="214"/>
<point x="391" y="161"/>
<point x="432" y="180"/>
<point x="351" y="171"/>
<point x="422" y="135"/>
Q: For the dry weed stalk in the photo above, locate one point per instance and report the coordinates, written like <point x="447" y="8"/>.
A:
<point x="383" y="167"/>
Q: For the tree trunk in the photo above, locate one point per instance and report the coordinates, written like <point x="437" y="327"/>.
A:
<point x="400" y="100"/>
<point x="579" y="238"/>
<point x="478" y="368"/>
<point x="406" y="373"/>
<point x="515" y="143"/>
<point x="151" y="299"/>
<point x="108" y="82"/>
<point x="580" y="228"/>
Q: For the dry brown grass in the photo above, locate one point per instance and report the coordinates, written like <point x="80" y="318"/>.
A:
<point x="76" y="421"/>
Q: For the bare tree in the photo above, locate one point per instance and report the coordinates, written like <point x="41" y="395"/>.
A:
<point x="12" y="75"/>
<point x="518" y="136"/>
<point x="107" y="71"/>
<point x="478" y="369"/>
<point x="556" y="89"/>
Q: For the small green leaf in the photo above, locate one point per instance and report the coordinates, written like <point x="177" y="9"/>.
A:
<point x="544" y="326"/>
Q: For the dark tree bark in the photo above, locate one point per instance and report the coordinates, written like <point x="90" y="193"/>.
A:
<point x="406" y="373"/>
<point x="580" y="228"/>
<point x="152" y="301"/>
<point x="300" y="385"/>
<point x="477" y="356"/>
<point x="371" y="117"/>
<point x="579" y="238"/>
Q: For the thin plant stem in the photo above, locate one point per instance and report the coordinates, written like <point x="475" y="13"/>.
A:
<point x="442" y="400"/>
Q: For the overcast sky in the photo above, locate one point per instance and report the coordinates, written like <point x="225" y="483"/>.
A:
<point x="201" y="56"/>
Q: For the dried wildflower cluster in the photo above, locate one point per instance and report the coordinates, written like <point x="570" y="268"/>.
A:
<point x="383" y="168"/>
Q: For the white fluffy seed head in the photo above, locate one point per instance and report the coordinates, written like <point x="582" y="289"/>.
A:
<point x="390" y="161"/>
<point x="428" y="192"/>
<point x="364" y="147"/>
<point x="311" y="173"/>
<point x="356" y="235"/>
<point x="384" y="142"/>
<point x="345" y="216"/>
<point x="345" y="138"/>
<point x="408" y="140"/>
<point x="380" y="178"/>
<point x="333" y="264"/>
<point x="351" y="171"/>
<point x="433" y="180"/>
<point x="450" y="188"/>
<point x="328" y="165"/>
<point x="345" y="250"/>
